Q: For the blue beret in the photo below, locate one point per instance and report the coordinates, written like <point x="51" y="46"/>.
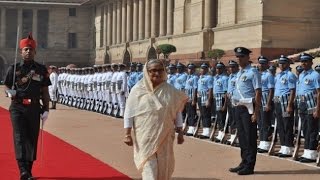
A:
<point x="299" y="69"/>
<point x="283" y="59"/>
<point x="305" y="57"/>
<point x="241" y="51"/>
<point x="233" y="63"/>
<point x="263" y="60"/>
<point x="317" y="68"/>
<point x="179" y="65"/>
<point x="220" y="65"/>
<point x="172" y="66"/>
<point x="191" y="65"/>
<point x="133" y="64"/>
<point x="204" y="65"/>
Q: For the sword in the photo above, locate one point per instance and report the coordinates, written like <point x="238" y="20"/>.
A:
<point x="41" y="141"/>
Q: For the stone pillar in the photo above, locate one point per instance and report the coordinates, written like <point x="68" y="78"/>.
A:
<point x="135" y="19"/>
<point x="35" y="24"/>
<point x="119" y="21"/>
<point x="109" y="26"/>
<point x="3" y="28"/>
<point x="147" y="19"/>
<point x="207" y="14"/>
<point x="129" y="20"/>
<point x="20" y="22"/>
<point x="105" y="25"/>
<point x="141" y="19"/>
<point x="154" y="18"/>
<point x="114" y="23"/>
<point x="163" y="14"/>
<point x="124" y="21"/>
<point x="170" y="17"/>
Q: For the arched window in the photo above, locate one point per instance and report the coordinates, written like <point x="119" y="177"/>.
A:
<point x="152" y="53"/>
<point x="126" y="58"/>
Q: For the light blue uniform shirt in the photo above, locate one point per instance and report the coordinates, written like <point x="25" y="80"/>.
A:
<point x="232" y="83"/>
<point x="205" y="83"/>
<point x="180" y="81"/>
<point x="171" y="79"/>
<point x="284" y="82"/>
<point x="191" y="85"/>
<point x="267" y="81"/>
<point x="248" y="80"/>
<point x="220" y="84"/>
<point x="309" y="82"/>
<point x="139" y="76"/>
<point x="132" y="80"/>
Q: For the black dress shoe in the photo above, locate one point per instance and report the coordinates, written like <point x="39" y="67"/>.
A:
<point x="217" y="140"/>
<point x="228" y="142"/>
<point x="203" y="137"/>
<point x="262" y="150"/>
<point x="236" y="169"/>
<point x="245" y="172"/>
<point x="25" y="175"/>
<point x="284" y="155"/>
<point x="189" y="134"/>
<point x="305" y="160"/>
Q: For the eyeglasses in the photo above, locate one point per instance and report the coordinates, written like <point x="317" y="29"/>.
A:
<point x="153" y="71"/>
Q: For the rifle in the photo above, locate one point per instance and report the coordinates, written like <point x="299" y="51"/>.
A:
<point x="274" y="138"/>
<point x="298" y="141"/>
<point x="234" y="139"/>
<point x="195" y="134"/>
<point x="213" y="129"/>
<point x="185" y="124"/>
<point x="318" y="159"/>
<point x="225" y="128"/>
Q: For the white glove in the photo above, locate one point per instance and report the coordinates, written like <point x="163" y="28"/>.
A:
<point x="44" y="116"/>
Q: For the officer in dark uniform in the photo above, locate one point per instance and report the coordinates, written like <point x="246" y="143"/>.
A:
<point x="30" y="84"/>
<point x="247" y="102"/>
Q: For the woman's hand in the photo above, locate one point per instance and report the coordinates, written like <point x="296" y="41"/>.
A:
<point x="180" y="138"/>
<point x="128" y="140"/>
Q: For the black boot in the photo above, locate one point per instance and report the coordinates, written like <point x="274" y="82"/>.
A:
<point x="24" y="172"/>
<point x="53" y="105"/>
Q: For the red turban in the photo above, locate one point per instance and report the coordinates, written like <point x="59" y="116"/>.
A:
<point x="28" y="42"/>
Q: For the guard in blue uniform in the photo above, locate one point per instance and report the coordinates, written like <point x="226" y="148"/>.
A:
<point x="139" y="72"/>
<point x="317" y="68"/>
<point x="220" y="87"/>
<point x="233" y="69"/>
<point x="285" y="87"/>
<point x="181" y="77"/>
<point x="308" y="97"/>
<point x="204" y="94"/>
<point x="299" y="70"/>
<point x="133" y="76"/>
<point x="264" y="122"/>
<point x="172" y="69"/>
<point x="191" y="91"/>
<point x="247" y="102"/>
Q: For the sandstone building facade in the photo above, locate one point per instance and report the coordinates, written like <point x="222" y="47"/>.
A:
<point x="86" y="32"/>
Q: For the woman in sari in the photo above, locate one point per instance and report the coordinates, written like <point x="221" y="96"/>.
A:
<point x="153" y="112"/>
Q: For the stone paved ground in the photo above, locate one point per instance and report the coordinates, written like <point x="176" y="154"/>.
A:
<point x="101" y="136"/>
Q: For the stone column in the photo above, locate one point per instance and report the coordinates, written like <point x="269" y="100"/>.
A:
<point x="124" y="21"/>
<point x="135" y="19"/>
<point x="109" y="26"/>
<point x="163" y="15"/>
<point x="114" y="23"/>
<point x="3" y="28"/>
<point x="119" y="21"/>
<point x="35" y="24"/>
<point x="129" y="20"/>
<point x="141" y="19"/>
<point x="170" y="17"/>
<point x="207" y="14"/>
<point x="20" y="23"/>
<point x="154" y="18"/>
<point x="147" y="19"/>
<point x="105" y="25"/>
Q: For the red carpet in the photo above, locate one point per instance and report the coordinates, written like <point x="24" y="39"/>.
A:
<point x="61" y="161"/>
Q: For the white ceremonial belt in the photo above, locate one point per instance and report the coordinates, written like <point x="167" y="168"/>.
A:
<point x="247" y="102"/>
